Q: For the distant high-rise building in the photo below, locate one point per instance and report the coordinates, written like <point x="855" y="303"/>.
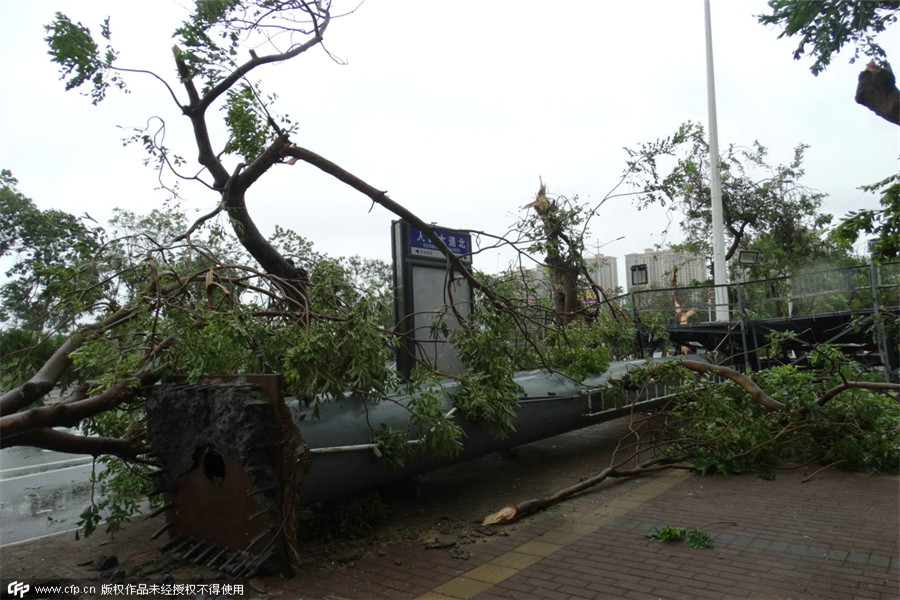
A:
<point x="691" y="267"/>
<point x="604" y="271"/>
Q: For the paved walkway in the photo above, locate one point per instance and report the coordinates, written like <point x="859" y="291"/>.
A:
<point x="835" y="536"/>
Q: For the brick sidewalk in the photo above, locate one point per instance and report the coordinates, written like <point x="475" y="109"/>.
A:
<point x="835" y="536"/>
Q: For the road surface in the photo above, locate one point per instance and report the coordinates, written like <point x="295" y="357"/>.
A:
<point x="41" y="492"/>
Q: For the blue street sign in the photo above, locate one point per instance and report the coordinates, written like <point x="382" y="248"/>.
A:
<point x="459" y="242"/>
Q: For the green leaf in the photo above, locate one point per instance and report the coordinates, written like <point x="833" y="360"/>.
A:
<point x="74" y="49"/>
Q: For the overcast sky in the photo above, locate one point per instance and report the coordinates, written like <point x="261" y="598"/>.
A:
<point x="456" y="109"/>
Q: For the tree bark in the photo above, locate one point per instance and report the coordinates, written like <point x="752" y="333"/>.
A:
<point x="234" y="202"/>
<point x="60" y="441"/>
<point x="756" y="392"/>
<point x="859" y="385"/>
<point x="563" y="269"/>
<point x="877" y="91"/>
<point x="53" y="369"/>
<point x="69" y="414"/>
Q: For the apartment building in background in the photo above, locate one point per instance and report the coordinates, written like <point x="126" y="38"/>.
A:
<point x="604" y="271"/>
<point x="659" y="264"/>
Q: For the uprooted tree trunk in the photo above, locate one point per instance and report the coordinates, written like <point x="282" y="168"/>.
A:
<point x="561" y="259"/>
<point x="515" y="511"/>
<point x="877" y="91"/>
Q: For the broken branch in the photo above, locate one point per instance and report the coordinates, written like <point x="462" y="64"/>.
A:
<point x="514" y="511"/>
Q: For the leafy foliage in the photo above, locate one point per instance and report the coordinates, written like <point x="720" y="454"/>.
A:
<point x="488" y="395"/>
<point x="247" y="119"/>
<point x="826" y="27"/>
<point x="210" y="39"/>
<point x="552" y="229"/>
<point x="319" y="365"/>
<point x="883" y="223"/>
<point x="558" y="235"/>
<point x="861" y="427"/>
<point x="428" y="430"/>
<point x="199" y="49"/>
<point x="79" y="56"/>
<point x="24" y="351"/>
<point x="669" y="533"/>
<point x="697" y="538"/>
<point x="53" y="275"/>
<point x="764" y="207"/>
<point x="579" y="349"/>
<point x="724" y="432"/>
<point x="117" y="488"/>
<point x="189" y="300"/>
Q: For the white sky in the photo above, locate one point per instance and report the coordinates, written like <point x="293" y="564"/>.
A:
<point x="455" y="108"/>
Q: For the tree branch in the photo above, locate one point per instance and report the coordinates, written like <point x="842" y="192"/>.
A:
<point x="242" y="70"/>
<point x="69" y="414"/>
<point x="515" y="511"/>
<point x="756" y="392"/>
<point x="52" y="370"/>
<point x="865" y="385"/>
<point x="206" y="156"/>
<point x="48" y="376"/>
<point x="60" y="441"/>
<point x="248" y="234"/>
<point x="381" y="198"/>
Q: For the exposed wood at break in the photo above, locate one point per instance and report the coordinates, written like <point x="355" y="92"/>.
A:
<point x="877" y="91"/>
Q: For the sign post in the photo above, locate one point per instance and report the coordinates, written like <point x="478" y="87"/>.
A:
<point x="428" y="294"/>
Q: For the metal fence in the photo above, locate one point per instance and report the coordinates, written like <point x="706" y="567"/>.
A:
<point x="863" y="287"/>
<point x="858" y="297"/>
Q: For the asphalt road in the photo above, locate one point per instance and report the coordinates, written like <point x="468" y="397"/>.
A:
<point x="41" y="492"/>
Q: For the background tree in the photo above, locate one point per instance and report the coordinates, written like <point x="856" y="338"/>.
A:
<point x="44" y="250"/>
<point x="562" y="251"/>
<point x="883" y="223"/>
<point x="824" y="28"/>
<point x="52" y="279"/>
<point x="765" y="207"/>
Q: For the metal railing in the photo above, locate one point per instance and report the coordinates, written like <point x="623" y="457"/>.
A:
<point x="871" y="292"/>
<point x="863" y="287"/>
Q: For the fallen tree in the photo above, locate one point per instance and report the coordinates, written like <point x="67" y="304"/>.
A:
<point x="99" y="316"/>
<point x="157" y="298"/>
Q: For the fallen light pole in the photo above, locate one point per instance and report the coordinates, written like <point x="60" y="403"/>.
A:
<point x="238" y="458"/>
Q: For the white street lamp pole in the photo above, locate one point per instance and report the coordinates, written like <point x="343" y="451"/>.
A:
<point x="720" y="273"/>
